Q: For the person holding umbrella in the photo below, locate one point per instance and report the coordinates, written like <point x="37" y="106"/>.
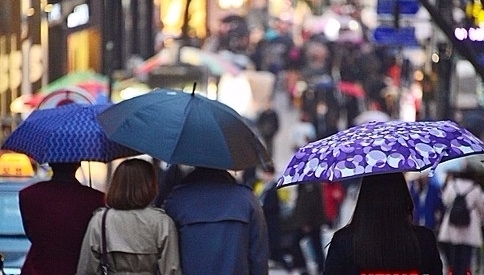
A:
<point x="381" y="237"/>
<point x="55" y="215"/>
<point x="220" y="222"/>
<point x="221" y="225"/>
<point x="131" y="236"/>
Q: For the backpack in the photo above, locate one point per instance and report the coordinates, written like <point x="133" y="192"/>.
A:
<point x="459" y="213"/>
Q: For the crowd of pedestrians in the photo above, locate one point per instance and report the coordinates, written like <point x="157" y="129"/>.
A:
<point x="207" y="221"/>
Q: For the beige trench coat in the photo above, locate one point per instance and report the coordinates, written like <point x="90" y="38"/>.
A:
<point x="137" y="241"/>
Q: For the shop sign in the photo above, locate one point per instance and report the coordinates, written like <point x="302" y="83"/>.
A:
<point x="390" y="36"/>
<point x="408" y="7"/>
<point x="15" y="62"/>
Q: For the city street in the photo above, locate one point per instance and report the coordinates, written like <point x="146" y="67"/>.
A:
<point x="288" y="116"/>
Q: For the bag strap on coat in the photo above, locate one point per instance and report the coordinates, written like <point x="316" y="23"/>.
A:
<point x="104" y="252"/>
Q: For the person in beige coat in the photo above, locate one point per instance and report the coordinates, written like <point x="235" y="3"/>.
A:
<point x="459" y="242"/>
<point x="141" y="239"/>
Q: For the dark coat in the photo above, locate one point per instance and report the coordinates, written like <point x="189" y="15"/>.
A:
<point x="268" y="123"/>
<point x="272" y="213"/>
<point x="340" y="262"/>
<point x="55" y="216"/>
<point x="309" y="208"/>
<point x="220" y="223"/>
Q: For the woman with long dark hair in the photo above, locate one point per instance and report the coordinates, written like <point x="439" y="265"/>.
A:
<point x="380" y="236"/>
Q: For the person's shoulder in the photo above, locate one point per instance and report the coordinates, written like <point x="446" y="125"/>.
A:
<point x="156" y="212"/>
<point x="99" y="212"/>
<point x="159" y="214"/>
<point x="34" y="186"/>
<point x="423" y="232"/>
<point x="92" y="190"/>
<point x="342" y="233"/>
<point x="342" y="238"/>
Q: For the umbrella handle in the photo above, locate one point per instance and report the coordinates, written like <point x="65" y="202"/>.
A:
<point x="434" y="166"/>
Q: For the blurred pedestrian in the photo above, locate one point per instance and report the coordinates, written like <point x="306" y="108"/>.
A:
<point x="303" y="131"/>
<point x="324" y="123"/>
<point x="460" y="242"/>
<point x="427" y="198"/>
<point x="270" y="202"/>
<point x="272" y="52"/>
<point x="221" y="225"/>
<point x="55" y="215"/>
<point x="333" y="196"/>
<point x="308" y="219"/>
<point x="381" y="237"/>
<point x="140" y="239"/>
<point x="268" y="125"/>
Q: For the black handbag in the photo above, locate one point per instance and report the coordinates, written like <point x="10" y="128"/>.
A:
<point x="104" y="252"/>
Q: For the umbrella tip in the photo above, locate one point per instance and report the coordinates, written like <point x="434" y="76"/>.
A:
<point x="194" y="86"/>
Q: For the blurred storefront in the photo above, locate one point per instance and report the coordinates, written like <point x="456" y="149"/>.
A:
<point x="22" y="55"/>
<point x="43" y="40"/>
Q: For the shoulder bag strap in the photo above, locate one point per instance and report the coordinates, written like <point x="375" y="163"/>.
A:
<point x="104" y="253"/>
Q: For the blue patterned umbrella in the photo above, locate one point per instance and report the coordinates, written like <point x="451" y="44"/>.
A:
<point x="68" y="133"/>
<point x="378" y="148"/>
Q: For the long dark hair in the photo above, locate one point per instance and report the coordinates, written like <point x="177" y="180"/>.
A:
<point x="383" y="238"/>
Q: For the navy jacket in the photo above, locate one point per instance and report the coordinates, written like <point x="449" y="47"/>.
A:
<point x="431" y="206"/>
<point x="220" y="223"/>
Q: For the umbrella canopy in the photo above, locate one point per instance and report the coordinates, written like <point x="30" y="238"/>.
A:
<point x="378" y="148"/>
<point x="86" y="78"/>
<point x="68" y="133"/>
<point x="182" y="128"/>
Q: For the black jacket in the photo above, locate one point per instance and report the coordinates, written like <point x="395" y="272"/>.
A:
<point x="340" y="262"/>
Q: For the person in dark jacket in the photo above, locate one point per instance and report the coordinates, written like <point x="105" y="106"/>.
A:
<point x="55" y="215"/>
<point x="381" y="237"/>
<point x="271" y="207"/>
<point x="308" y="218"/>
<point x="268" y="125"/>
<point x="220" y="224"/>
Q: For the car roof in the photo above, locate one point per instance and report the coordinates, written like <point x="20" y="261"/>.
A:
<point x="15" y="184"/>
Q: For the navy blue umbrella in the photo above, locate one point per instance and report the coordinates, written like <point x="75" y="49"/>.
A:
<point x="183" y="128"/>
<point x="68" y="133"/>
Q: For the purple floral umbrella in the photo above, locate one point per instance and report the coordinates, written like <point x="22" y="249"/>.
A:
<point x="378" y="148"/>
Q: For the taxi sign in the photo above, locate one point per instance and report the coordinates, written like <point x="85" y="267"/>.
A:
<point x="15" y="165"/>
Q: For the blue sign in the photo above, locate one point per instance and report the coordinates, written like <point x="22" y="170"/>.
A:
<point x="389" y="36"/>
<point x="405" y="6"/>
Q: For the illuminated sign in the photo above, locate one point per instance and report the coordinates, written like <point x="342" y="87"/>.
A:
<point x="55" y="14"/>
<point x="475" y="12"/>
<point x="473" y="34"/>
<point x="15" y="165"/>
